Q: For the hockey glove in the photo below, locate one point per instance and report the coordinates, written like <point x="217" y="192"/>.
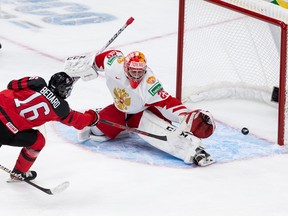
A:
<point x="81" y="66"/>
<point x="198" y="122"/>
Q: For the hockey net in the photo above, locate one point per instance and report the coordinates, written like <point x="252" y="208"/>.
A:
<point x="233" y="48"/>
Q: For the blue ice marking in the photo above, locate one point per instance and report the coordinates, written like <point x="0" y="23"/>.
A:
<point x="225" y="145"/>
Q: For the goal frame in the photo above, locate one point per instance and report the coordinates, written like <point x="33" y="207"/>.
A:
<point x="283" y="56"/>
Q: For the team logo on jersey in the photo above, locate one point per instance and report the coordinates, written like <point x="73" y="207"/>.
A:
<point x="151" y="80"/>
<point x="155" y="88"/>
<point x="12" y="127"/>
<point x="120" y="60"/>
<point x="111" y="60"/>
<point x="121" y="98"/>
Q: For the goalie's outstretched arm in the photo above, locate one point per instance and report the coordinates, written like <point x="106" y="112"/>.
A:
<point x="83" y="65"/>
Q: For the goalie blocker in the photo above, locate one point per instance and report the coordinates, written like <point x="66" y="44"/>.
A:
<point x="81" y="66"/>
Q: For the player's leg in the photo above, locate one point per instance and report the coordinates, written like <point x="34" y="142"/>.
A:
<point x="32" y="142"/>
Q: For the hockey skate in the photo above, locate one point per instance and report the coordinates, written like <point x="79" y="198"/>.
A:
<point x="202" y="158"/>
<point x="19" y="176"/>
<point x="197" y="153"/>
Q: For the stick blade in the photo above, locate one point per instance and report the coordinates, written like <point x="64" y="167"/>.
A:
<point x="60" y="188"/>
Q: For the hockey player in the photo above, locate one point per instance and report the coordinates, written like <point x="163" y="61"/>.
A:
<point x="29" y="102"/>
<point x="140" y="101"/>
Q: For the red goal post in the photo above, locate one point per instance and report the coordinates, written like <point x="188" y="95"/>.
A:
<point x="233" y="48"/>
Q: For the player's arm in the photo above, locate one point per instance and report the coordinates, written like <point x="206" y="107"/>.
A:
<point x="33" y="83"/>
<point x="199" y="122"/>
<point x="80" y="120"/>
<point x="170" y="107"/>
<point x="103" y="58"/>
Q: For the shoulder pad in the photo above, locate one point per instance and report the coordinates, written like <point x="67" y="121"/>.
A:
<point x="36" y="83"/>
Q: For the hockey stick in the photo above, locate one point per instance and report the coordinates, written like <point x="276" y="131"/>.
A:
<point x="83" y="66"/>
<point x="58" y="189"/>
<point x="128" y="22"/>
<point x="164" y="138"/>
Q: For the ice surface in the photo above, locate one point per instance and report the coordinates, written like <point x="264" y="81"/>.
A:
<point x="132" y="178"/>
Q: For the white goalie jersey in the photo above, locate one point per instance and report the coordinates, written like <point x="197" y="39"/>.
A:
<point x="130" y="100"/>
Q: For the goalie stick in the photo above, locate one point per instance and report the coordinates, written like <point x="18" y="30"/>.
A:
<point x="164" y="138"/>
<point x="51" y="191"/>
<point x="82" y="66"/>
<point x="128" y="22"/>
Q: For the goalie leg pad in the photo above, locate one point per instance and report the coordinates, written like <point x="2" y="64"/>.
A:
<point x="198" y="122"/>
<point x="179" y="144"/>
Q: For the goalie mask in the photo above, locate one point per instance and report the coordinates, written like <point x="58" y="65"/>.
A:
<point x="61" y="84"/>
<point x="135" y="67"/>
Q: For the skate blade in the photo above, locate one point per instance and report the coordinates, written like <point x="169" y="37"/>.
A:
<point x="208" y="162"/>
<point x="10" y="180"/>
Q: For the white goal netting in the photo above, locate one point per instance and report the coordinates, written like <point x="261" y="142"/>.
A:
<point x="231" y="54"/>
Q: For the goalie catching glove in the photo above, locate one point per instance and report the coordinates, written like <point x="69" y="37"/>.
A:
<point x="199" y="122"/>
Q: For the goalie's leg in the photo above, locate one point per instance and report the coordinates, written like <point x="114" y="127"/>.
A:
<point x="198" y="156"/>
<point x="180" y="144"/>
<point x="202" y="158"/>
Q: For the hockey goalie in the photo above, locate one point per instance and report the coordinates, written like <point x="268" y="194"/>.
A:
<point x="141" y="102"/>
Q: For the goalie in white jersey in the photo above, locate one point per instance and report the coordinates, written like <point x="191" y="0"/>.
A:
<point x="140" y="101"/>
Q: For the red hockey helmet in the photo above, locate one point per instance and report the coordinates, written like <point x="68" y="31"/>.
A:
<point x="135" y="67"/>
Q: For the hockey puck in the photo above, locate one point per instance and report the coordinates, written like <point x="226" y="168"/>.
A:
<point x="245" y="131"/>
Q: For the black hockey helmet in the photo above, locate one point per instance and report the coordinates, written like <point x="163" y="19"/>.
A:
<point x="61" y="84"/>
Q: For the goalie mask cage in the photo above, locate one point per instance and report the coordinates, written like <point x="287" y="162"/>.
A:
<point x="233" y="48"/>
